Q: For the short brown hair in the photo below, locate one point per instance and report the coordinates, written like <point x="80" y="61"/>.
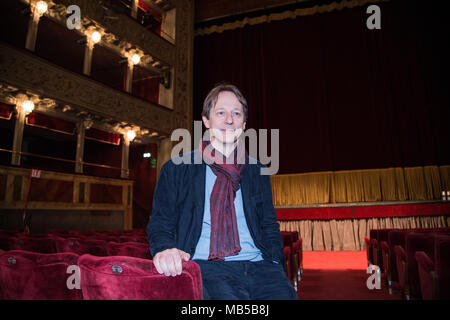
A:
<point x="212" y="96"/>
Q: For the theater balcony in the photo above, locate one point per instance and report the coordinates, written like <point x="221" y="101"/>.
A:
<point x="90" y="92"/>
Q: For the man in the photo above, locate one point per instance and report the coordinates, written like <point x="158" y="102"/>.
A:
<point x="219" y="212"/>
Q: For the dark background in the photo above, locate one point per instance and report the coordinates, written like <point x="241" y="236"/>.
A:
<point x="343" y="96"/>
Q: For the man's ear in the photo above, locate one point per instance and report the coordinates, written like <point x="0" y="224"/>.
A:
<point x="243" y="126"/>
<point x="205" y="122"/>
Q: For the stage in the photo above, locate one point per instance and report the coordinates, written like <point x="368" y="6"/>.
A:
<point x="343" y="226"/>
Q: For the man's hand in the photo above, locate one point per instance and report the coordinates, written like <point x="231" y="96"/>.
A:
<point x="169" y="261"/>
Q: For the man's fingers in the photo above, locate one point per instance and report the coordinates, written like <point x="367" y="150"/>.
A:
<point x="178" y="266"/>
<point x="157" y="264"/>
<point x="186" y="256"/>
<point x="169" y="262"/>
<point x="169" y="267"/>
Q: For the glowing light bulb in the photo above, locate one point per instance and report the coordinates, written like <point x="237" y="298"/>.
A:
<point x="28" y="106"/>
<point x="135" y="58"/>
<point x="41" y="7"/>
<point x="131" y="135"/>
<point x="96" y="36"/>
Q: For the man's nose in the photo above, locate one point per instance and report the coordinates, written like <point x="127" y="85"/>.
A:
<point x="229" y="118"/>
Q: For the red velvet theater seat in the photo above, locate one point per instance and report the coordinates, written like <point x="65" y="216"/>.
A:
<point x="74" y="245"/>
<point x="39" y="244"/>
<point x="287" y="257"/>
<point x="427" y="275"/>
<point x="107" y="238"/>
<point x="95" y="247"/>
<point x="26" y="275"/>
<point x="417" y="242"/>
<point x="300" y="256"/>
<point x="130" y="249"/>
<point x="133" y="238"/>
<point x="368" y="250"/>
<point x="400" y="259"/>
<point x="435" y="274"/>
<point x="297" y="262"/>
<point x="288" y="238"/>
<point x="407" y="267"/>
<point x="395" y="238"/>
<point x="380" y="236"/>
<point x="5" y="241"/>
<point x="442" y="266"/>
<point x="129" y="278"/>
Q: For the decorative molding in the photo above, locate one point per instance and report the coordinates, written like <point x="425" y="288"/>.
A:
<point x="122" y="29"/>
<point x="290" y="14"/>
<point x="23" y="70"/>
<point x="27" y="72"/>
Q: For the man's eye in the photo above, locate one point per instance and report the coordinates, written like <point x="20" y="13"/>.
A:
<point x="238" y="114"/>
<point x="220" y="113"/>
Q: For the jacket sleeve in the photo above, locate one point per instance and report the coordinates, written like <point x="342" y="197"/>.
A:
<point x="270" y="226"/>
<point x="161" y="228"/>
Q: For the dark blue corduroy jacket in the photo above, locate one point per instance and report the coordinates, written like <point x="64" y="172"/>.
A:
<point x="178" y="206"/>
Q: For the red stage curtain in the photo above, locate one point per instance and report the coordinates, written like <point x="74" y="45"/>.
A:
<point x="343" y="96"/>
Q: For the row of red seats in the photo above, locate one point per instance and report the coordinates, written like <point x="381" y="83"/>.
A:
<point x="78" y="245"/>
<point x="26" y="275"/>
<point x="401" y="254"/>
<point x="293" y="254"/>
<point x="95" y="243"/>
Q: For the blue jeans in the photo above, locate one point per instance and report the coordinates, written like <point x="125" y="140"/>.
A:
<point x="245" y="280"/>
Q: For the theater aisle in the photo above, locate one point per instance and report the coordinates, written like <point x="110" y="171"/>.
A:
<point x="338" y="275"/>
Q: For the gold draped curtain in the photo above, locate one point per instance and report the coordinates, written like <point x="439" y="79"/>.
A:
<point x="348" y="234"/>
<point x="391" y="184"/>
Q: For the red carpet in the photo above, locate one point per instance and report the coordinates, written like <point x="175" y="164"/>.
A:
<point x="338" y="275"/>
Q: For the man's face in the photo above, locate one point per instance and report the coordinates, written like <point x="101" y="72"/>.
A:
<point x="226" y="119"/>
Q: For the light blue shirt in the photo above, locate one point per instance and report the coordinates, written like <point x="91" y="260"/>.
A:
<point x="249" y="252"/>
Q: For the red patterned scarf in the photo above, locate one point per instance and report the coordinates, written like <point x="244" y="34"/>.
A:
<point x="224" y="238"/>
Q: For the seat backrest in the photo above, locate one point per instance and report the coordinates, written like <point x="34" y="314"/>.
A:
<point x="133" y="238"/>
<point x="74" y="245"/>
<point x="36" y="276"/>
<point x="288" y="238"/>
<point x="129" y="278"/>
<point x="130" y="249"/>
<point x="5" y="242"/>
<point x="300" y="249"/>
<point x="414" y="242"/>
<point x="41" y="244"/>
<point x="425" y="266"/>
<point x="287" y="257"/>
<point x="442" y="264"/>
<point x="395" y="238"/>
<point x="382" y="235"/>
<point x="95" y="247"/>
<point x="107" y="238"/>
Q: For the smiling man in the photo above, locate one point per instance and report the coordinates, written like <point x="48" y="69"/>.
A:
<point x="219" y="212"/>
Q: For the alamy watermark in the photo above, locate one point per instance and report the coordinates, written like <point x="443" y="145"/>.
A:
<point x="257" y="146"/>
<point x="74" y="19"/>
<point x="74" y="280"/>
<point x="374" y="20"/>
<point x="374" y="281"/>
